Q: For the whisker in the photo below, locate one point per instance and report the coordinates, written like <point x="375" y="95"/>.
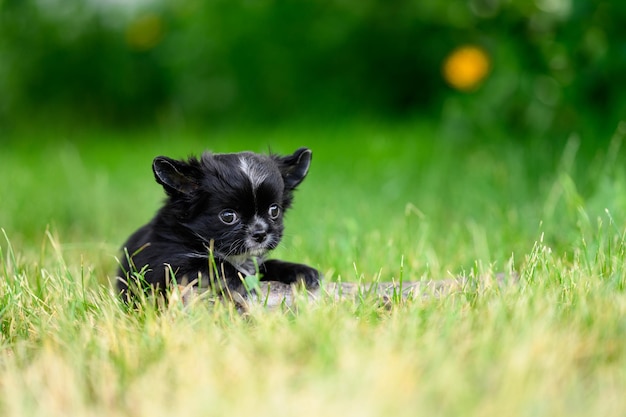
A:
<point x="196" y="255"/>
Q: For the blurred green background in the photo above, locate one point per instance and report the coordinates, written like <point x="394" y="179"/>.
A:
<point x="554" y="66"/>
<point x="444" y="133"/>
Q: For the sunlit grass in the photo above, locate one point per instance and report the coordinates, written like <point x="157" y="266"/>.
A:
<point x="379" y="204"/>
<point x="553" y="344"/>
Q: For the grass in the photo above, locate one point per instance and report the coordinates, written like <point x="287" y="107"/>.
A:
<point x="381" y="202"/>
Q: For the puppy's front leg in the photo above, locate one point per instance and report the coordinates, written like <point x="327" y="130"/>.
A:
<point x="290" y="273"/>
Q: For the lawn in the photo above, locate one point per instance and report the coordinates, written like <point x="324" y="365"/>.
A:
<point x="382" y="202"/>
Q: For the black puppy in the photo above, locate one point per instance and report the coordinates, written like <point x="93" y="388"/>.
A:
<point x="223" y="213"/>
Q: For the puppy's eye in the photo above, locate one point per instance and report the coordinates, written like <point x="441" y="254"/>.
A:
<point x="274" y="211"/>
<point x="228" y="217"/>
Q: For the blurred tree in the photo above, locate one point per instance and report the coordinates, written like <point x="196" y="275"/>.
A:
<point x="69" y="60"/>
<point x="554" y="66"/>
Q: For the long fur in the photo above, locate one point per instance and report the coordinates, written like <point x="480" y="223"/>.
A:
<point x="222" y="215"/>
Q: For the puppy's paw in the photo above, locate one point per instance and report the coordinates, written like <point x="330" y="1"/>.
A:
<point x="310" y="277"/>
<point x="291" y="273"/>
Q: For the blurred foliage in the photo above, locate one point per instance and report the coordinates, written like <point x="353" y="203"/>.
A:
<point x="555" y="66"/>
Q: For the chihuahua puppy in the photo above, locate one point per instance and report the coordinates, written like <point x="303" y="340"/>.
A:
<point x="222" y="215"/>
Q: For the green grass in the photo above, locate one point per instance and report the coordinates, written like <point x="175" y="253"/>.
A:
<point x="381" y="202"/>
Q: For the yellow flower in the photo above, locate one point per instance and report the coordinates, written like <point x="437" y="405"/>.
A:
<point x="465" y="67"/>
<point x="145" y="32"/>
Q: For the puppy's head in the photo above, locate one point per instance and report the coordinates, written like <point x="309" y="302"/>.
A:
<point x="235" y="202"/>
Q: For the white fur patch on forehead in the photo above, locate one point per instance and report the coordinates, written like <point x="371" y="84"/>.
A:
<point x="253" y="169"/>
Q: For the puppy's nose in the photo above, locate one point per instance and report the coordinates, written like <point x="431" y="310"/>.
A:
<point x="258" y="232"/>
<point x="259" y="235"/>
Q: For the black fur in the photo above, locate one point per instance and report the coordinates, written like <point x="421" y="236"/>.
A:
<point x="225" y="207"/>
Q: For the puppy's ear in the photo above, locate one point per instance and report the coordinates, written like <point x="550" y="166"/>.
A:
<point x="176" y="176"/>
<point x="295" y="167"/>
